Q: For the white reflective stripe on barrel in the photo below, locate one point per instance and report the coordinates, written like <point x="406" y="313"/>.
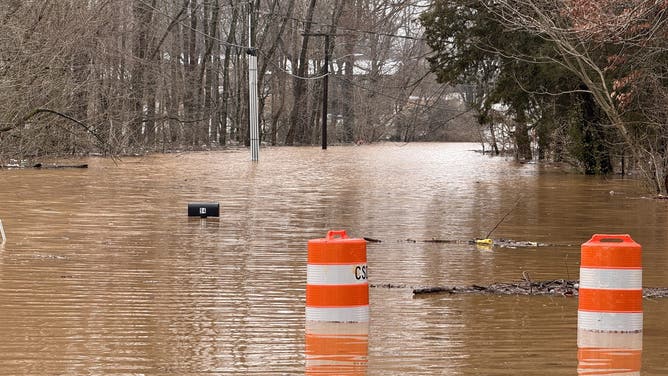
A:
<point x="346" y="314"/>
<point x="606" y="321"/>
<point x="329" y="328"/>
<point x="617" y="279"/>
<point x="607" y="372"/>
<point x="609" y="340"/>
<point x="350" y="274"/>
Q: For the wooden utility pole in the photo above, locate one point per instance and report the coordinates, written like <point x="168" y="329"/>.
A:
<point x="325" y="86"/>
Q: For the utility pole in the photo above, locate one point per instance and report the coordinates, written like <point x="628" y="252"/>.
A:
<point x="252" y="90"/>
<point x="325" y="86"/>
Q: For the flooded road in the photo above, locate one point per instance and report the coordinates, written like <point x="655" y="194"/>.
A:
<point x="103" y="273"/>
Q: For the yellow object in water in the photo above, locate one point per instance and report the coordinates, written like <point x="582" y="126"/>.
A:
<point x="484" y="241"/>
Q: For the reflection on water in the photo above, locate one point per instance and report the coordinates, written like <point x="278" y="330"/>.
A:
<point x="334" y="348"/>
<point x="602" y="353"/>
<point x="104" y="273"/>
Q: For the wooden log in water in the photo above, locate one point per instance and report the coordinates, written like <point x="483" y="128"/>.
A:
<point x="42" y="166"/>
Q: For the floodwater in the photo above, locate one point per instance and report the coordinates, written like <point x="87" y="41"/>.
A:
<point x="103" y="273"/>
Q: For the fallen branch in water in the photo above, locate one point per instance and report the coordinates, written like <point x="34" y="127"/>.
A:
<point x="43" y="166"/>
<point x="372" y="240"/>
<point x="526" y="287"/>
<point x="39" y="165"/>
<point x="503" y="218"/>
<point x="556" y="287"/>
<point x="503" y="243"/>
<point x="389" y="286"/>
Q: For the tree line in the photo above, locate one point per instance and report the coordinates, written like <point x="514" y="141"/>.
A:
<point x="585" y="81"/>
<point x="570" y="81"/>
<point x="134" y="76"/>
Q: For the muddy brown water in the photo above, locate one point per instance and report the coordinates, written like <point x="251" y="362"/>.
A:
<point x="104" y="274"/>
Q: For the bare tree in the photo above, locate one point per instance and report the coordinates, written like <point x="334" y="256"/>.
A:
<point x="126" y="76"/>
<point x="298" y="126"/>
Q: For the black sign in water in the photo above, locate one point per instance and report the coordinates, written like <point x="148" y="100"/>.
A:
<point x="203" y="209"/>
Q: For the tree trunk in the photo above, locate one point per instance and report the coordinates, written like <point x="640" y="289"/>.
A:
<point x="595" y="156"/>
<point x="347" y="89"/>
<point x="213" y="99"/>
<point x="227" y="59"/>
<point x="207" y="74"/>
<point x="268" y="56"/>
<point x="177" y="75"/>
<point x="142" y="14"/>
<point x="298" y="121"/>
<point x="522" y="140"/>
<point x="492" y="133"/>
<point x="191" y="84"/>
<point x="279" y="94"/>
<point x="151" y="88"/>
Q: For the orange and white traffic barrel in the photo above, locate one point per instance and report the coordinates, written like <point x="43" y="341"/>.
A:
<point x="337" y="288"/>
<point x="336" y="348"/>
<point x="610" y="293"/>
<point x="607" y="353"/>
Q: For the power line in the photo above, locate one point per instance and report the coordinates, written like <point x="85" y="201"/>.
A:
<point x="171" y="19"/>
<point x="297" y="76"/>
<point x="187" y="26"/>
<point x="343" y="28"/>
<point x="365" y="88"/>
<point x="281" y="16"/>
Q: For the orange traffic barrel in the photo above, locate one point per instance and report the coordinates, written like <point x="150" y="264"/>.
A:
<point x="337" y="288"/>
<point x="606" y="353"/>
<point x="610" y="293"/>
<point x="335" y="348"/>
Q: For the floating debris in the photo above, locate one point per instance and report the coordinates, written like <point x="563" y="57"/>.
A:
<point x="49" y="257"/>
<point x="25" y="164"/>
<point x="40" y="165"/>
<point x="484" y="242"/>
<point x="552" y="287"/>
<point x="440" y="241"/>
<point x="388" y="286"/>
<point x="372" y="240"/>
<point x="555" y="287"/>
<point x="509" y="243"/>
<point x="487" y="242"/>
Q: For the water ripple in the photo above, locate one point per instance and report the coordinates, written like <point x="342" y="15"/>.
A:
<point x="103" y="272"/>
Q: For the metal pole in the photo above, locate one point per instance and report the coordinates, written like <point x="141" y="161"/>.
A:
<point x="325" y="85"/>
<point x="252" y="91"/>
<point x="252" y="103"/>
